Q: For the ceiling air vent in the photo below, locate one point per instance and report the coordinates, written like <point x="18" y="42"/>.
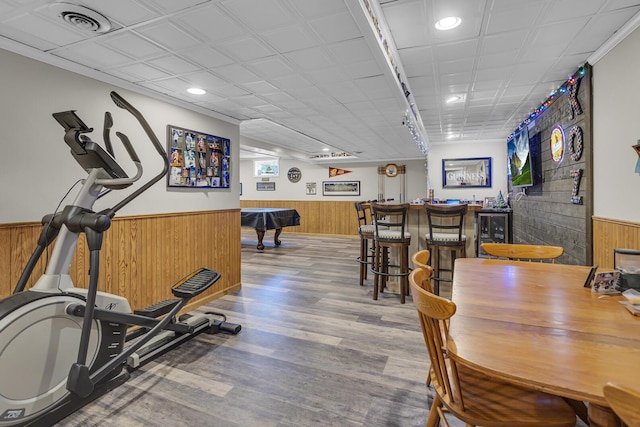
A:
<point x="81" y="17"/>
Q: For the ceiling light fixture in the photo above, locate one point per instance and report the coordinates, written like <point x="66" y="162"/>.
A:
<point x="196" y="91"/>
<point x="448" y="23"/>
<point x="453" y="98"/>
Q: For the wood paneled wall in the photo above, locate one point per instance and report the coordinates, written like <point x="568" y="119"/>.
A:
<point x="142" y="256"/>
<point x="609" y="234"/>
<point x="325" y="217"/>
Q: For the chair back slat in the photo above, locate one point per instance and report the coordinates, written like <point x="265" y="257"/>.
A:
<point x="434" y="312"/>
<point x="523" y="252"/>
<point x="389" y="217"/>
<point x="420" y="260"/>
<point x="446" y="219"/>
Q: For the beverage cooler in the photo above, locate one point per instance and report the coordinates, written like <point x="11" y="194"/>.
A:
<point x="493" y="226"/>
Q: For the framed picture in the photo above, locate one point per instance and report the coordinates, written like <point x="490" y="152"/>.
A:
<point x="340" y="188"/>
<point x="466" y="173"/>
<point x="265" y="186"/>
<point x="311" y="189"/>
<point x="197" y="159"/>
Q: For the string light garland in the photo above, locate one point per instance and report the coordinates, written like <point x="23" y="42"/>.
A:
<point x="570" y="85"/>
<point x="410" y="123"/>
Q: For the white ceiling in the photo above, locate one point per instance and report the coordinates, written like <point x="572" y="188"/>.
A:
<point x="303" y="75"/>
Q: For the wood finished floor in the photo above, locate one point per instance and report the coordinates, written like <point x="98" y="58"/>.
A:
<point x="314" y="350"/>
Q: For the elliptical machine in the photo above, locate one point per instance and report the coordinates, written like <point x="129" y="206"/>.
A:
<point x="61" y="346"/>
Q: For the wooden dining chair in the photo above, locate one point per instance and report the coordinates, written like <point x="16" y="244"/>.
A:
<point x="466" y="392"/>
<point x="625" y="402"/>
<point x="522" y="252"/>
<point x="419" y="260"/>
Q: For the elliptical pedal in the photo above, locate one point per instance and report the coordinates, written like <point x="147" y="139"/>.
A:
<point x="158" y="309"/>
<point x="195" y="283"/>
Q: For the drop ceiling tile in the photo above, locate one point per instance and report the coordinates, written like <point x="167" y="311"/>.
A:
<point x="245" y="49"/>
<point x="170" y="6"/>
<point x="237" y="74"/>
<point x="620" y="4"/>
<point x="512" y="19"/>
<point x="351" y="51"/>
<point x="260" y="15"/>
<point x="290" y="82"/>
<point x="206" y="80"/>
<point x="335" y="28"/>
<point x="169" y="35"/>
<point x="210" y="23"/>
<point x="140" y="72"/>
<point x="206" y="56"/>
<point x="230" y="91"/>
<point x="550" y="34"/>
<point x="173" y="64"/>
<point x="407" y="20"/>
<point x="56" y="33"/>
<point x="457" y="50"/>
<point x="310" y="59"/>
<point x="287" y="39"/>
<point x="327" y="75"/>
<point x="269" y="67"/>
<point x="363" y="69"/>
<point x="561" y="10"/>
<point x="312" y="8"/>
<point x="261" y="87"/>
<point x="132" y="45"/>
<point x="505" y="42"/>
<point x="97" y="56"/>
<point x="124" y="12"/>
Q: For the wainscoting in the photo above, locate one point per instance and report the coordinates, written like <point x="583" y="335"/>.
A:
<point x="330" y="218"/>
<point x="609" y="234"/>
<point x="142" y="256"/>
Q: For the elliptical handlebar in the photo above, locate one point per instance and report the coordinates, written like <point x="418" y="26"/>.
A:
<point x="122" y="103"/>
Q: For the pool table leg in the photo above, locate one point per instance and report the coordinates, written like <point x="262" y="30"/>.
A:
<point x="275" y="237"/>
<point x="260" y="234"/>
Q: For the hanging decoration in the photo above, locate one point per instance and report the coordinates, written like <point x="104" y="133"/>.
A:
<point x="637" y="148"/>
<point x="550" y="100"/>
<point x="337" y="172"/>
<point x="410" y="123"/>
<point x="575" y="143"/>
<point x="557" y="144"/>
<point x="574" y="105"/>
<point x="576" y="174"/>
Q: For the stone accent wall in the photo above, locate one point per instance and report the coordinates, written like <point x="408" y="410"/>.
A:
<point x="546" y="214"/>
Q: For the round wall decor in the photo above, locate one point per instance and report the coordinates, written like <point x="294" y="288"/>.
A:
<point x="294" y="175"/>
<point x="557" y="143"/>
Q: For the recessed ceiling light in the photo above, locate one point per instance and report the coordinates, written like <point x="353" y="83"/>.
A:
<point x="325" y="149"/>
<point x="453" y="98"/>
<point x="448" y="23"/>
<point x="196" y="91"/>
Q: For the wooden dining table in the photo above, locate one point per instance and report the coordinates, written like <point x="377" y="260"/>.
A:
<point x="537" y="325"/>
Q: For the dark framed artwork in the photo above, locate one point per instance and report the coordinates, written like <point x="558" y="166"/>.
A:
<point x="197" y="159"/>
<point x="340" y="188"/>
<point x="466" y="173"/>
<point x="265" y="186"/>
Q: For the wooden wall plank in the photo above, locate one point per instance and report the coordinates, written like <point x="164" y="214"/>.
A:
<point x="609" y="234"/>
<point x="142" y="256"/>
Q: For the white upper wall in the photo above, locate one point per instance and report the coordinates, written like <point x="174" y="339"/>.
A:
<point x="366" y="173"/>
<point x="37" y="168"/>
<point x="616" y="128"/>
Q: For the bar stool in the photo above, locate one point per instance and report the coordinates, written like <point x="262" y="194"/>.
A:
<point x="392" y="234"/>
<point x="367" y="234"/>
<point x="446" y="226"/>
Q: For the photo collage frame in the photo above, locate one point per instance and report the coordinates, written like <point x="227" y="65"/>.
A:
<point x="197" y="159"/>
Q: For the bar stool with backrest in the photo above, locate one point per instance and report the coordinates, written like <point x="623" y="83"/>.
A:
<point x="446" y="233"/>
<point x="366" y="230"/>
<point x="390" y="223"/>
